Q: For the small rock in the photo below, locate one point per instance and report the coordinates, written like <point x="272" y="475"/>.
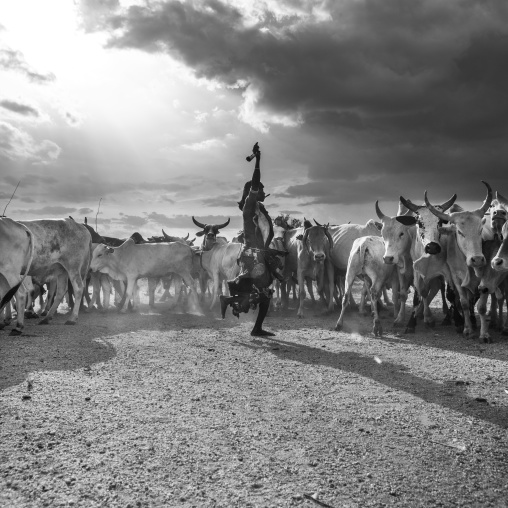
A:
<point x="480" y="399"/>
<point x="26" y="397"/>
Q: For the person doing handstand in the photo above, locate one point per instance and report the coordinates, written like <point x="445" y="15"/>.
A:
<point x="258" y="263"/>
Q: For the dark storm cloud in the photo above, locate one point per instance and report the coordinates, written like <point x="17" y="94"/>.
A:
<point x="13" y="60"/>
<point x="375" y="65"/>
<point x="20" y="108"/>
<point x="412" y="93"/>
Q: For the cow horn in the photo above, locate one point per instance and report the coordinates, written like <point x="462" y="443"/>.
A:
<point x="488" y="200"/>
<point x="436" y="212"/>
<point x="449" y="203"/>
<point x="305" y="235"/>
<point x="187" y="237"/>
<point x="166" y="237"/>
<point x="330" y="239"/>
<point x="198" y="224"/>
<point x="410" y="206"/>
<point x="502" y="200"/>
<point x="380" y="214"/>
<point x="317" y="223"/>
<point x="220" y="226"/>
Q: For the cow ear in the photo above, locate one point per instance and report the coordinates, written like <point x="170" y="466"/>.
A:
<point x="200" y="233"/>
<point x="299" y="237"/>
<point x="110" y="250"/>
<point x="406" y="220"/>
<point x="378" y="225"/>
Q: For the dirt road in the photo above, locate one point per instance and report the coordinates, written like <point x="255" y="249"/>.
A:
<point x="165" y="409"/>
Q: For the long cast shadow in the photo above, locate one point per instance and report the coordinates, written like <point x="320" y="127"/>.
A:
<point x="395" y="376"/>
<point x="57" y="347"/>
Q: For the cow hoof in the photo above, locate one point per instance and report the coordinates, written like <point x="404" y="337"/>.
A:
<point x="396" y="324"/>
<point x="44" y="321"/>
<point x="409" y="330"/>
<point x="44" y="313"/>
<point x="337" y="328"/>
<point x="15" y="332"/>
<point x="70" y="322"/>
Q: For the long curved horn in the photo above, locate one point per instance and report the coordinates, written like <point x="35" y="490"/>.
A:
<point x="329" y="236"/>
<point x="380" y="214"/>
<point x="186" y="238"/>
<point x="502" y="200"/>
<point x="220" y="226"/>
<point x="305" y="235"/>
<point x="487" y="202"/>
<point x="167" y="237"/>
<point x="317" y="223"/>
<point x="436" y="212"/>
<point x="449" y="203"/>
<point x="198" y="224"/>
<point x="410" y="206"/>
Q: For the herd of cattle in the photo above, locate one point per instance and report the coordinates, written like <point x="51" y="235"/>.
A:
<point x="427" y="247"/>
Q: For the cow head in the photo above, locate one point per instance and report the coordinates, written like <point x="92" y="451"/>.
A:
<point x="498" y="214"/>
<point x="500" y="260"/>
<point x="468" y="229"/>
<point x="100" y="257"/>
<point x="318" y="241"/>
<point x="396" y="237"/>
<point x="427" y="224"/>
<point x="209" y="233"/>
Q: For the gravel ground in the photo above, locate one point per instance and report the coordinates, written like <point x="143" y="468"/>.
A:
<point x="166" y="409"/>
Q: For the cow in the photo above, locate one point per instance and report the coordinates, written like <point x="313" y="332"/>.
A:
<point x="397" y="236"/>
<point x="217" y="258"/>
<point x="491" y="282"/>
<point x="130" y="262"/>
<point x="366" y="261"/>
<point x="429" y="262"/>
<point x="61" y="252"/>
<point x="343" y="237"/>
<point x="291" y="244"/>
<point x="464" y="254"/>
<point x="314" y="262"/>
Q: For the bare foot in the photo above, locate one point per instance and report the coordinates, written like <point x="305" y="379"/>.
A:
<point x="261" y="333"/>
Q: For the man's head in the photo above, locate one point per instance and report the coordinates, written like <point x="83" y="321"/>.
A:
<point x="246" y="189"/>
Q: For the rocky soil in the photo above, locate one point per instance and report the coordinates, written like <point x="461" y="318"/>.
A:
<point x="163" y="409"/>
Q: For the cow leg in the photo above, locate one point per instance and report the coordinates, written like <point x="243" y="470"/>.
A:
<point x="152" y="285"/>
<point x="465" y="303"/>
<point x="310" y="290"/>
<point x="61" y="289"/>
<point x="94" y="280"/>
<point x="363" y="298"/>
<point x="401" y="316"/>
<point x="194" y="305"/>
<point x="215" y="290"/>
<point x="442" y="289"/>
<point x="21" y="295"/>
<point x="78" y="287"/>
<point x="482" y="310"/>
<point x="377" y="328"/>
<point x="301" y="283"/>
<point x="129" y="291"/>
<point x="493" y="312"/>
<point x="6" y="283"/>
<point x="105" y="283"/>
<point x="411" y="324"/>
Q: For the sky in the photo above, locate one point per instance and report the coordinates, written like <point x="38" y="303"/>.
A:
<point x="139" y="114"/>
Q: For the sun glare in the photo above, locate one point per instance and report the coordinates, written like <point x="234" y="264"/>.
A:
<point x="46" y="32"/>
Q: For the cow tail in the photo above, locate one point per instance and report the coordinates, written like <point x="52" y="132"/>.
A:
<point x="8" y="296"/>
